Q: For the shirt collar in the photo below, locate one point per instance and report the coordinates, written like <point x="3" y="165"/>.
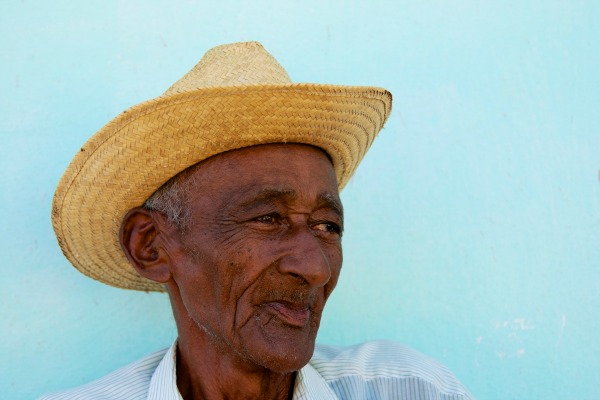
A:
<point x="163" y="385"/>
<point x="311" y="385"/>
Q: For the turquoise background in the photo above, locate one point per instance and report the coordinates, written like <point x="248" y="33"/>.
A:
<point x="473" y="224"/>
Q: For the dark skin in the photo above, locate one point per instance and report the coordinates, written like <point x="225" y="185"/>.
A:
<point x="249" y="279"/>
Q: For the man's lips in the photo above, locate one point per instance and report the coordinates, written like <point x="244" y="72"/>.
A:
<point x="290" y="313"/>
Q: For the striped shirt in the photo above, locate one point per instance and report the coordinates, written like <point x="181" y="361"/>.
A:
<point x="373" y="370"/>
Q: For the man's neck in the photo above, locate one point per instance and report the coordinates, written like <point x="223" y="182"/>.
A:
<point x="207" y="371"/>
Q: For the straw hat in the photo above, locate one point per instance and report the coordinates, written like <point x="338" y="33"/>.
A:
<point x="238" y="95"/>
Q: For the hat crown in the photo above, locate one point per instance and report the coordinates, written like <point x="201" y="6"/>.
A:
<point x="236" y="64"/>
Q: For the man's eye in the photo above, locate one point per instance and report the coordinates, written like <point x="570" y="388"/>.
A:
<point x="328" y="227"/>
<point x="272" y="218"/>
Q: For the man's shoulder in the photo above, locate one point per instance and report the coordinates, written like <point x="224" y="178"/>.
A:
<point x="127" y="383"/>
<point x="384" y="369"/>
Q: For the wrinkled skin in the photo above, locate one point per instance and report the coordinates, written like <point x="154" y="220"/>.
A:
<point x="249" y="279"/>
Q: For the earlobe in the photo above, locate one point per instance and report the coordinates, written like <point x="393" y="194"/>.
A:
<point x="140" y="239"/>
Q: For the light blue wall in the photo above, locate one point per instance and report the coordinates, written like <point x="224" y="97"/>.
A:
<point x="473" y="224"/>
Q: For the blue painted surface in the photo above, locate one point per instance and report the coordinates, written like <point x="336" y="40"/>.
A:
<point x="472" y="225"/>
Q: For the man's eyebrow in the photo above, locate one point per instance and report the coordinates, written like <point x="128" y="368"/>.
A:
<point x="285" y="194"/>
<point x="331" y="201"/>
<point x="269" y="195"/>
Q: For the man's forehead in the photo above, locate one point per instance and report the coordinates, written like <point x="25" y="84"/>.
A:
<point x="247" y="154"/>
<point x="270" y="172"/>
<point x="279" y="159"/>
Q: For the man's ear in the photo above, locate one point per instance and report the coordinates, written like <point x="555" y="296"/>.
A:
<point x="141" y="240"/>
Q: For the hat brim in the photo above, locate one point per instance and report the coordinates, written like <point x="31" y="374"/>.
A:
<point x="138" y="151"/>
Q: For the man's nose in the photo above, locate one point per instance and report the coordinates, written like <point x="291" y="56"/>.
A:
<point x="305" y="257"/>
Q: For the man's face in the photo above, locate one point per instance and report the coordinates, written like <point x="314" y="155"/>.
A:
<point x="263" y="252"/>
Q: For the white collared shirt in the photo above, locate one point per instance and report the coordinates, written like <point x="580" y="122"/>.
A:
<point x="373" y="370"/>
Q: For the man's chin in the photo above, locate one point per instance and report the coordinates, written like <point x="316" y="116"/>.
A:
<point x="286" y="360"/>
<point x="281" y="354"/>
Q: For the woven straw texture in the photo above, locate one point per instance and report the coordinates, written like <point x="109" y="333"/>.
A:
<point x="236" y="96"/>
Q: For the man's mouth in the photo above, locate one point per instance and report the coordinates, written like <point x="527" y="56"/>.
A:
<point x="292" y="314"/>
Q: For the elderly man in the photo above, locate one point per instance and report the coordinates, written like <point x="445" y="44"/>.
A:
<point x="223" y="192"/>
